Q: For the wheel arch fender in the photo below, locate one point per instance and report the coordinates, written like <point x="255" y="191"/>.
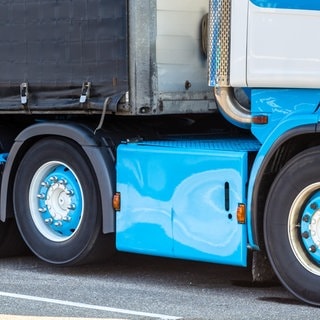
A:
<point x="98" y="153"/>
<point x="267" y="165"/>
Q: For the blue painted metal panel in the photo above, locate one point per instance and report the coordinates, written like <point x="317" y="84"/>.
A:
<point x="3" y="157"/>
<point x="173" y="199"/>
<point x="288" y="4"/>
<point x="286" y="109"/>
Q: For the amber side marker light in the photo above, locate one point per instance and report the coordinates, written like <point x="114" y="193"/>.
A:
<point x="116" y="201"/>
<point x="260" y="119"/>
<point x="241" y="213"/>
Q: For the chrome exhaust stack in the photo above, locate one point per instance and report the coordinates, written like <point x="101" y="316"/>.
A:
<point x="219" y="64"/>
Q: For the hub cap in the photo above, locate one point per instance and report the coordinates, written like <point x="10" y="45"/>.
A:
<point x="56" y="201"/>
<point x="304" y="228"/>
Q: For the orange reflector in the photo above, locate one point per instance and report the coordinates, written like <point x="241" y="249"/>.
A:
<point x="116" y="201"/>
<point x="260" y="119"/>
<point x="241" y="213"/>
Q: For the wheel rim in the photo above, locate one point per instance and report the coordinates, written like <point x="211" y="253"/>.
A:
<point x="56" y="201"/>
<point x="304" y="228"/>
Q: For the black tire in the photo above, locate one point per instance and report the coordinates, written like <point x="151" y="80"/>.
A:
<point x="57" y="204"/>
<point x="292" y="226"/>
<point x="11" y="243"/>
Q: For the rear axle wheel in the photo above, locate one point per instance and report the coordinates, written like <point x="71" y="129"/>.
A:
<point x="57" y="204"/>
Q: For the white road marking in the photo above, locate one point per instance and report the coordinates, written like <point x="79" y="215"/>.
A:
<point x="88" y="306"/>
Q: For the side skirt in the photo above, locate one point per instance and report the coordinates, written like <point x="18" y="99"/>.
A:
<point x="180" y="198"/>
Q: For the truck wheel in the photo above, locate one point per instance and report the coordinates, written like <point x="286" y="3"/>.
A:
<point x="56" y="202"/>
<point x="292" y="226"/>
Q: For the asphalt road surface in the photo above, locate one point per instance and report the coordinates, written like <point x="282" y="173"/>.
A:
<point x="139" y="287"/>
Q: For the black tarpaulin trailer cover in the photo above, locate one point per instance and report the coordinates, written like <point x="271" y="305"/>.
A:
<point x="56" y="46"/>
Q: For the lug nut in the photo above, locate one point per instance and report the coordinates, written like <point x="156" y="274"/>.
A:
<point x="305" y="234"/>
<point x="48" y="221"/>
<point x="45" y="184"/>
<point x="313" y="206"/>
<point x="306" y="218"/>
<point x="313" y="249"/>
<point x="69" y="193"/>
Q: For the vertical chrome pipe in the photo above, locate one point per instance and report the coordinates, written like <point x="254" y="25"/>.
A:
<point x="219" y="34"/>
